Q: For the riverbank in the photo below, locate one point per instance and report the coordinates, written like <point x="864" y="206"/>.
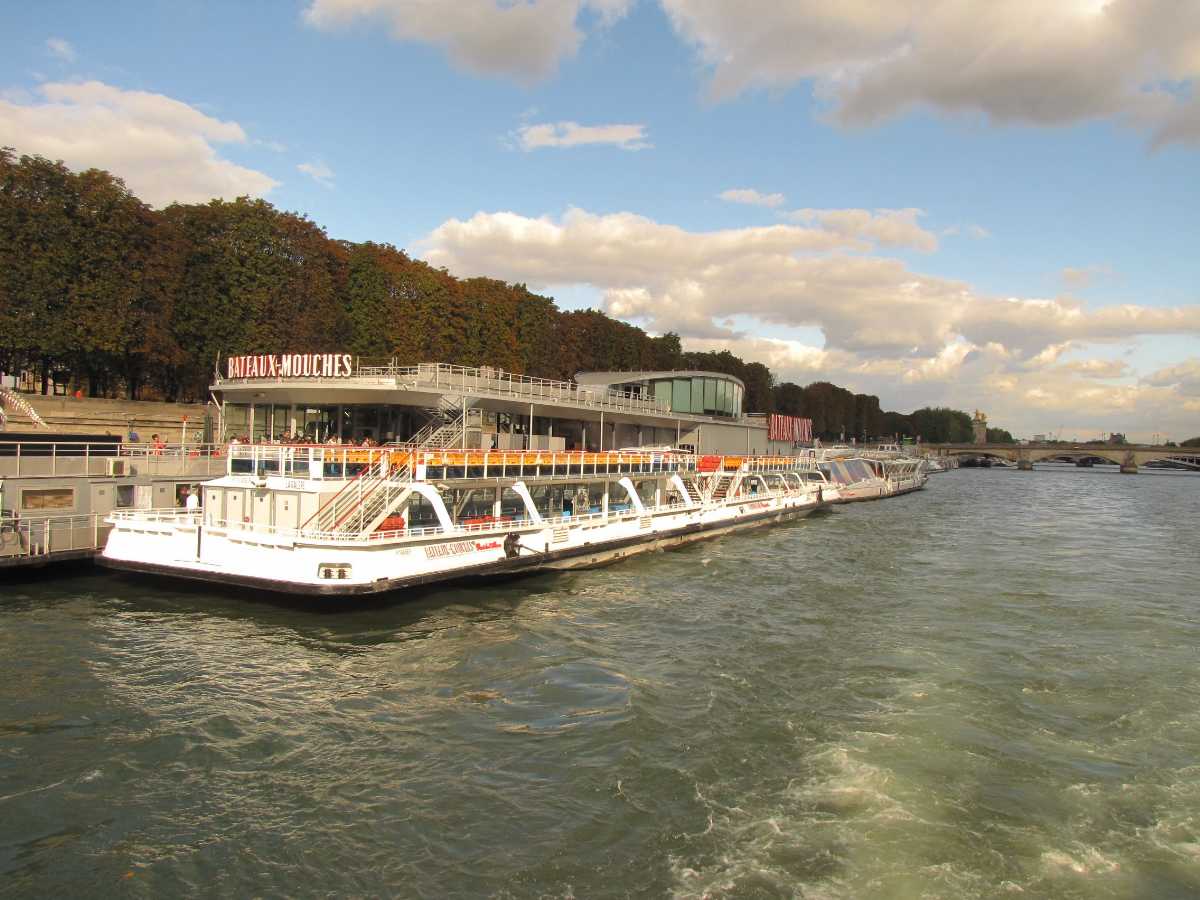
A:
<point x="101" y="416"/>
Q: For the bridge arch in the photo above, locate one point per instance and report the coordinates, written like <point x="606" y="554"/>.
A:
<point x="991" y="452"/>
<point x="1075" y="453"/>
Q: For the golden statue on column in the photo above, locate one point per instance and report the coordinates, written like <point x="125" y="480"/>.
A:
<point x="979" y="427"/>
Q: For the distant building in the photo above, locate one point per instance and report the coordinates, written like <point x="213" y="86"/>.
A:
<point x="697" y="393"/>
<point x="1039" y="439"/>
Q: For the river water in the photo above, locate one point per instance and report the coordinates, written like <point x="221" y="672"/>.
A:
<point x="985" y="689"/>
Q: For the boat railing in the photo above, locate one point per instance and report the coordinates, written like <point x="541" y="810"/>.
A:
<point x="337" y="461"/>
<point x="30" y="537"/>
<point x="622" y="512"/>
<point x="162" y="514"/>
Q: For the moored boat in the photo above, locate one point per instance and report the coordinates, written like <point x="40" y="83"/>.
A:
<point x="314" y="519"/>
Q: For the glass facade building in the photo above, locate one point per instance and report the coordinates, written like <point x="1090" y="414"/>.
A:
<point x="691" y="393"/>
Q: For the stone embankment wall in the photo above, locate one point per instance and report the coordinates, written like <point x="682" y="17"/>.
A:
<point x="91" y="415"/>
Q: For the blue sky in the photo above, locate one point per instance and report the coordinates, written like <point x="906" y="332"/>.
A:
<point x="950" y="211"/>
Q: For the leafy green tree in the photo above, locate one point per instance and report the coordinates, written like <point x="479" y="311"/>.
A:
<point x="38" y="260"/>
<point x="999" y="436"/>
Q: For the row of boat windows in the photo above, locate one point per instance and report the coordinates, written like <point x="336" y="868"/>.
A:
<point x="303" y="469"/>
<point x="472" y="506"/>
<point x="849" y="471"/>
<point x="476" y="506"/>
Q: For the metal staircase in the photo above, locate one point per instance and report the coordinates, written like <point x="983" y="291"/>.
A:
<point x="721" y="487"/>
<point x="364" y="502"/>
<point x="14" y="401"/>
<point x="444" y="429"/>
<point x="693" y="491"/>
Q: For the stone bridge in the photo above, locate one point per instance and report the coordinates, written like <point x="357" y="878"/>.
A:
<point x="1127" y="456"/>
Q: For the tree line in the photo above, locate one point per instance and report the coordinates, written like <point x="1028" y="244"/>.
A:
<point x="102" y="292"/>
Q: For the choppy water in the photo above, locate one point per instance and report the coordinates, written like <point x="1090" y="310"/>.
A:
<point x="984" y="689"/>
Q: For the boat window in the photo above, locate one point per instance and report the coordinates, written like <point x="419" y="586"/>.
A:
<point x="48" y="498"/>
<point x="618" y="499"/>
<point x="421" y="513"/>
<point x="241" y="466"/>
<point x="645" y="490"/>
<point x="470" y="506"/>
<point x="512" y="506"/>
<point x="544" y="499"/>
<point x="124" y="496"/>
<point x="859" y="470"/>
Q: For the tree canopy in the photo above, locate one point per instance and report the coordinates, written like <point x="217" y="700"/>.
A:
<point x="114" y="297"/>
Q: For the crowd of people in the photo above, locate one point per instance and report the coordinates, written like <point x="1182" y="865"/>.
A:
<point x="299" y="437"/>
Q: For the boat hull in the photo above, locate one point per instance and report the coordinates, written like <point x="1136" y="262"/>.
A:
<point x="673" y="530"/>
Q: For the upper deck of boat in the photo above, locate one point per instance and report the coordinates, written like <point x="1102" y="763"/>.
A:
<point x="327" y="462"/>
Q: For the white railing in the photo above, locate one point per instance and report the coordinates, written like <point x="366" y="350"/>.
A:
<point x="163" y="514"/>
<point x="313" y="460"/>
<point x="523" y="523"/>
<point x="483" y="380"/>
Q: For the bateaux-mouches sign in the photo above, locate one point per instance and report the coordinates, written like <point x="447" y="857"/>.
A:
<point x="291" y="365"/>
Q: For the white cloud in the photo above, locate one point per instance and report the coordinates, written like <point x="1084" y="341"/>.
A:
<point x="1020" y="61"/>
<point x="913" y="339"/>
<point x="161" y="147"/>
<point x="1098" y="368"/>
<point x="893" y="227"/>
<point x="752" y="197"/>
<point x="671" y="279"/>
<point x="978" y="232"/>
<point x="61" y="48"/>
<point x="318" y="172"/>
<point x="525" y="40"/>
<point x="1185" y="377"/>
<point x="572" y="134"/>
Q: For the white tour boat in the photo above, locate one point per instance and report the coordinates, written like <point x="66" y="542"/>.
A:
<point x="859" y="478"/>
<point x="315" y="519"/>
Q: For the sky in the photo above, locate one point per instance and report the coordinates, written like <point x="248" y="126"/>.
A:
<point x="984" y="204"/>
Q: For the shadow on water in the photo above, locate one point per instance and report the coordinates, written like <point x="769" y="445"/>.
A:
<point x="343" y="624"/>
<point x="332" y="624"/>
<point x="39" y="574"/>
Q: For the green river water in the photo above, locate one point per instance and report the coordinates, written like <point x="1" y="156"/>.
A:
<point x="985" y="689"/>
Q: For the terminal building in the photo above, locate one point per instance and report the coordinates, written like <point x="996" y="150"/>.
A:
<point x="320" y="398"/>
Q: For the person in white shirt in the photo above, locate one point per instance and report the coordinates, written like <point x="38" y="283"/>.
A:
<point x="193" y="499"/>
